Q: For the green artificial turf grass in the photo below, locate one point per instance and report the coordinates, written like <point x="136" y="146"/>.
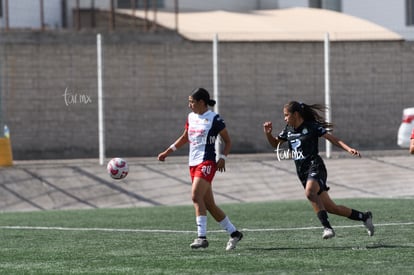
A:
<point x="282" y="237"/>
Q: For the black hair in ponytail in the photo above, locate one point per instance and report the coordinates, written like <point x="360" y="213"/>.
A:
<point x="202" y="94"/>
<point x="309" y="112"/>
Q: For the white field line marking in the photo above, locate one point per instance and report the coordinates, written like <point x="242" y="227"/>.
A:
<point x="94" y="229"/>
<point x="17" y="227"/>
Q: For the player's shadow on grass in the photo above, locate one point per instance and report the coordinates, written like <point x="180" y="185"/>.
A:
<point x="373" y="246"/>
<point x="381" y="245"/>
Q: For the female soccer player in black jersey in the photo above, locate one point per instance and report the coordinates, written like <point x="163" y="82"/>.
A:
<point x="304" y="126"/>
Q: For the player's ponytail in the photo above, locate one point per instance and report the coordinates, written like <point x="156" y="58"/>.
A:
<point x="309" y="112"/>
<point x="202" y="94"/>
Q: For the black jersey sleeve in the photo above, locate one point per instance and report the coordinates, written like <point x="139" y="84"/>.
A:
<point x="320" y="129"/>
<point x="218" y="124"/>
<point x="283" y="134"/>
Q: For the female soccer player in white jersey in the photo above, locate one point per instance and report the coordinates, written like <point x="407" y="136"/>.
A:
<point x="304" y="127"/>
<point x="201" y="130"/>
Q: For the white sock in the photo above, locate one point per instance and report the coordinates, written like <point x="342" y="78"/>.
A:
<point x="201" y="226"/>
<point x="227" y="225"/>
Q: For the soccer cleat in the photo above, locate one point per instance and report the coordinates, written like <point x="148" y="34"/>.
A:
<point x="328" y="233"/>
<point x="234" y="239"/>
<point x="199" y="243"/>
<point x="368" y="224"/>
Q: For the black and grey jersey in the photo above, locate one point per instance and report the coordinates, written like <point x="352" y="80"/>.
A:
<point x="303" y="143"/>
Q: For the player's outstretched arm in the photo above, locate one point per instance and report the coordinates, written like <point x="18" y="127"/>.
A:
<point x="183" y="139"/>
<point x="267" y="128"/>
<point x="339" y="143"/>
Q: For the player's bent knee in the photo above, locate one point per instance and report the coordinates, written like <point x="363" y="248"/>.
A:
<point x="311" y="196"/>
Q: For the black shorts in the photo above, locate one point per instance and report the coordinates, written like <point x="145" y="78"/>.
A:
<point x="315" y="170"/>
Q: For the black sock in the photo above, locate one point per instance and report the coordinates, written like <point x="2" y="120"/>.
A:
<point x="357" y="216"/>
<point x="235" y="234"/>
<point x="323" y="217"/>
<point x="202" y="237"/>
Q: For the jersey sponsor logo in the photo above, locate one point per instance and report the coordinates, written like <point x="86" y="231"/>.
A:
<point x="290" y="134"/>
<point x="297" y="153"/>
<point x="198" y="132"/>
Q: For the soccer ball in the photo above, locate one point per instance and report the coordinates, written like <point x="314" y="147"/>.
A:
<point x="117" y="168"/>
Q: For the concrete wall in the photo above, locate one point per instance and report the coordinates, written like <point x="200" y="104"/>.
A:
<point x="49" y="90"/>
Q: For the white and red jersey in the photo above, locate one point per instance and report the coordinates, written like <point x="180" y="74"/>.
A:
<point x="202" y="133"/>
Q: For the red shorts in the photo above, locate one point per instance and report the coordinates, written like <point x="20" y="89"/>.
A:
<point x="205" y="170"/>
